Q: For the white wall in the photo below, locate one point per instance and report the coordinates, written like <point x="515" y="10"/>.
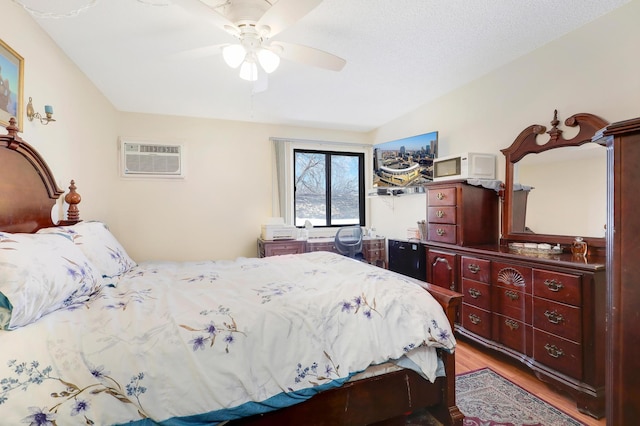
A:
<point x="593" y="69"/>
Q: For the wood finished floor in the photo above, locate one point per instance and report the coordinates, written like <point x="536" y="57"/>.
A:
<point x="471" y="357"/>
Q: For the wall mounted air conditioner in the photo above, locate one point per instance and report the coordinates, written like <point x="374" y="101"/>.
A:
<point x="151" y="159"/>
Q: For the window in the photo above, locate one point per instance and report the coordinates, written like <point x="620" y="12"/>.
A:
<point x="328" y="188"/>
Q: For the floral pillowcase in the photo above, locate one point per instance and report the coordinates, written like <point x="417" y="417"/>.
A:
<point x="99" y="245"/>
<point x="40" y="274"/>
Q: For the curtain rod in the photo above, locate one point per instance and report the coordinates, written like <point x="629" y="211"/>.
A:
<point x="317" y="142"/>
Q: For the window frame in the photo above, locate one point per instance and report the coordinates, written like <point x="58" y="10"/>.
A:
<point x="361" y="183"/>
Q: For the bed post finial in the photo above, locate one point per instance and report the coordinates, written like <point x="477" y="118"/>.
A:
<point x="12" y="129"/>
<point x="73" y="199"/>
<point x="12" y="132"/>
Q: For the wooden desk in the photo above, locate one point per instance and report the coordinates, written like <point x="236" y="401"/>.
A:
<point x="374" y="249"/>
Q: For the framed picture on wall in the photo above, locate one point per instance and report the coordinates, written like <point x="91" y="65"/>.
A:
<point x="406" y="162"/>
<point x="11" y="85"/>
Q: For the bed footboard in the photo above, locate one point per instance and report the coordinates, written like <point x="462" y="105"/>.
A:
<point x="380" y="400"/>
<point x="447" y="412"/>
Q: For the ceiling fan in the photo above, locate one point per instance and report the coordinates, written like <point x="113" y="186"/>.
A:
<point x="254" y="23"/>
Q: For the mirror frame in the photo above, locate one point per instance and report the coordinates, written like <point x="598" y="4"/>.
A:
<point x="525" y="144"/>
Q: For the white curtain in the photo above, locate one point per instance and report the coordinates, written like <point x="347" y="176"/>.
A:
<point x="281" y="196"/>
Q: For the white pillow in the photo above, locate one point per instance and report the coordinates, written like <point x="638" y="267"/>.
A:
<point x="40" y="274"/>
<point x="99" y="245"/>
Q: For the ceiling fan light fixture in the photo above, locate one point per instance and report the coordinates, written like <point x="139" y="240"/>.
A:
<point x="249" y="71"/>
<point x="269" y="61"/>
<point x="234" y="54"/>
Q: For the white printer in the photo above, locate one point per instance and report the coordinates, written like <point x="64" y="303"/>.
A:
<point x="275" y="229"/>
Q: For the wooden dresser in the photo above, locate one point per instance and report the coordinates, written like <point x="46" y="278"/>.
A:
<point x="544" y="309"/>
<point x="462" y="214"/>
<point x="545" y="312"/>
<point x="459" y="214"/>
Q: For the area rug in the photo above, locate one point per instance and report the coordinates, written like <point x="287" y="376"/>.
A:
<point x="488" y="399"/>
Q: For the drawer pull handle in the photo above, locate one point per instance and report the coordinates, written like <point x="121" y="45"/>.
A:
<point x="473" y="268"/>
<point x="440" y="196"/>
<point x="553" y="285"/>
<point x="475" y="319"/>
<point x="474" y="293"/>
<point x="440" y="214"/>
<point x="554" y="317"/>
<point x="554" y="351"/>
<point x="513" y="295"/>
<point x="513" y="325"/>
<point x="440" y="232"/>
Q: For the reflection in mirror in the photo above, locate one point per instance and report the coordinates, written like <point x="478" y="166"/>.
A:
<point x="568" y="192"/>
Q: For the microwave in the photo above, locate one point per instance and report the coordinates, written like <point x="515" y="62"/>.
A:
<point x="468" y="165"/>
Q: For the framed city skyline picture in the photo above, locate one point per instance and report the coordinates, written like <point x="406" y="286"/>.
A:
<point x="406" y="162"/>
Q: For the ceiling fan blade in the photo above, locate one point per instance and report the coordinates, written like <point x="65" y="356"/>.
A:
<point x="197" y="8"/>
<point x="310" y="56"/>
<point x="285" y="13"/>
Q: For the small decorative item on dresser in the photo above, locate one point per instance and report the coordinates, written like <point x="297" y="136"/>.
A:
<point x="413" y="234"/>
<point x="579" y="247"/>
<point x="422" y="229"/>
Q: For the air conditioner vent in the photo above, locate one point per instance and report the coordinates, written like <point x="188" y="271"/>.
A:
<point x="144" y="159"/>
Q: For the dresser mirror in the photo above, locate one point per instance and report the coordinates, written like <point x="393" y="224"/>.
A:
<point x="555" y="188"/>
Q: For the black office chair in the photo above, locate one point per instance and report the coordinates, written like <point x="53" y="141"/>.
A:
<point x="348" y="242"/>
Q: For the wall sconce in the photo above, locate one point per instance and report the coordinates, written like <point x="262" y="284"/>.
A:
<point x="48" y="112"/>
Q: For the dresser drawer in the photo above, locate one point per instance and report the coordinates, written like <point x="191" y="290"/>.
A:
<point x="513" y="303"/>
<point x="476" y="293"/>
<point x="557" y="286"/>
<point x="558" y="318"/>
<point x="476" y="269"/>
<point x="278" y="248"/>
<point x="323" y="246"/>
<point x="442" y="233"/>
<point x="373" y="244"/>
<point x="442" y="197"/>
<point x="513" y="334"/>
<point x="511" y="276"/>
<point x="476" y="320"/>
<point x="374" y="255"/>
<point x="557" y="353"/>
<point x="442" y="214"/>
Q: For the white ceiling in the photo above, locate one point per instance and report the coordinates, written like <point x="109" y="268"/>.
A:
<point x="400" y="55"/>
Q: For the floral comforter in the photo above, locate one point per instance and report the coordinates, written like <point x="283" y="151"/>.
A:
<point x="182" y="343"/>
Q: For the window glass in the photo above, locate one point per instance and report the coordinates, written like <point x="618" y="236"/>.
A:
<point x="345" y="190"/>
<point x="310" y="188"/>
<point x="328" y="188"/>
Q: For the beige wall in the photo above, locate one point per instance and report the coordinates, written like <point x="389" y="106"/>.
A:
<point x="217" y="210"/>
<point x="215" y="214"/>
<point x="77" y="144"/>
<point x="593" y="69"/>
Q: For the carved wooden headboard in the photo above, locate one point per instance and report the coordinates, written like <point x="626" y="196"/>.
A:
<point x="28" y="190"/>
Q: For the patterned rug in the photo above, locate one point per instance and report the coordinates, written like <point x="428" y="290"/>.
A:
<point x="488" y="399"/>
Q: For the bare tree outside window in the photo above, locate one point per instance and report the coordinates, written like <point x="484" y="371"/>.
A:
<point x="329" y="188"/>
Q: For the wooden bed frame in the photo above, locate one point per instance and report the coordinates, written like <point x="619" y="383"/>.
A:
<point x="28" y="193"/>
